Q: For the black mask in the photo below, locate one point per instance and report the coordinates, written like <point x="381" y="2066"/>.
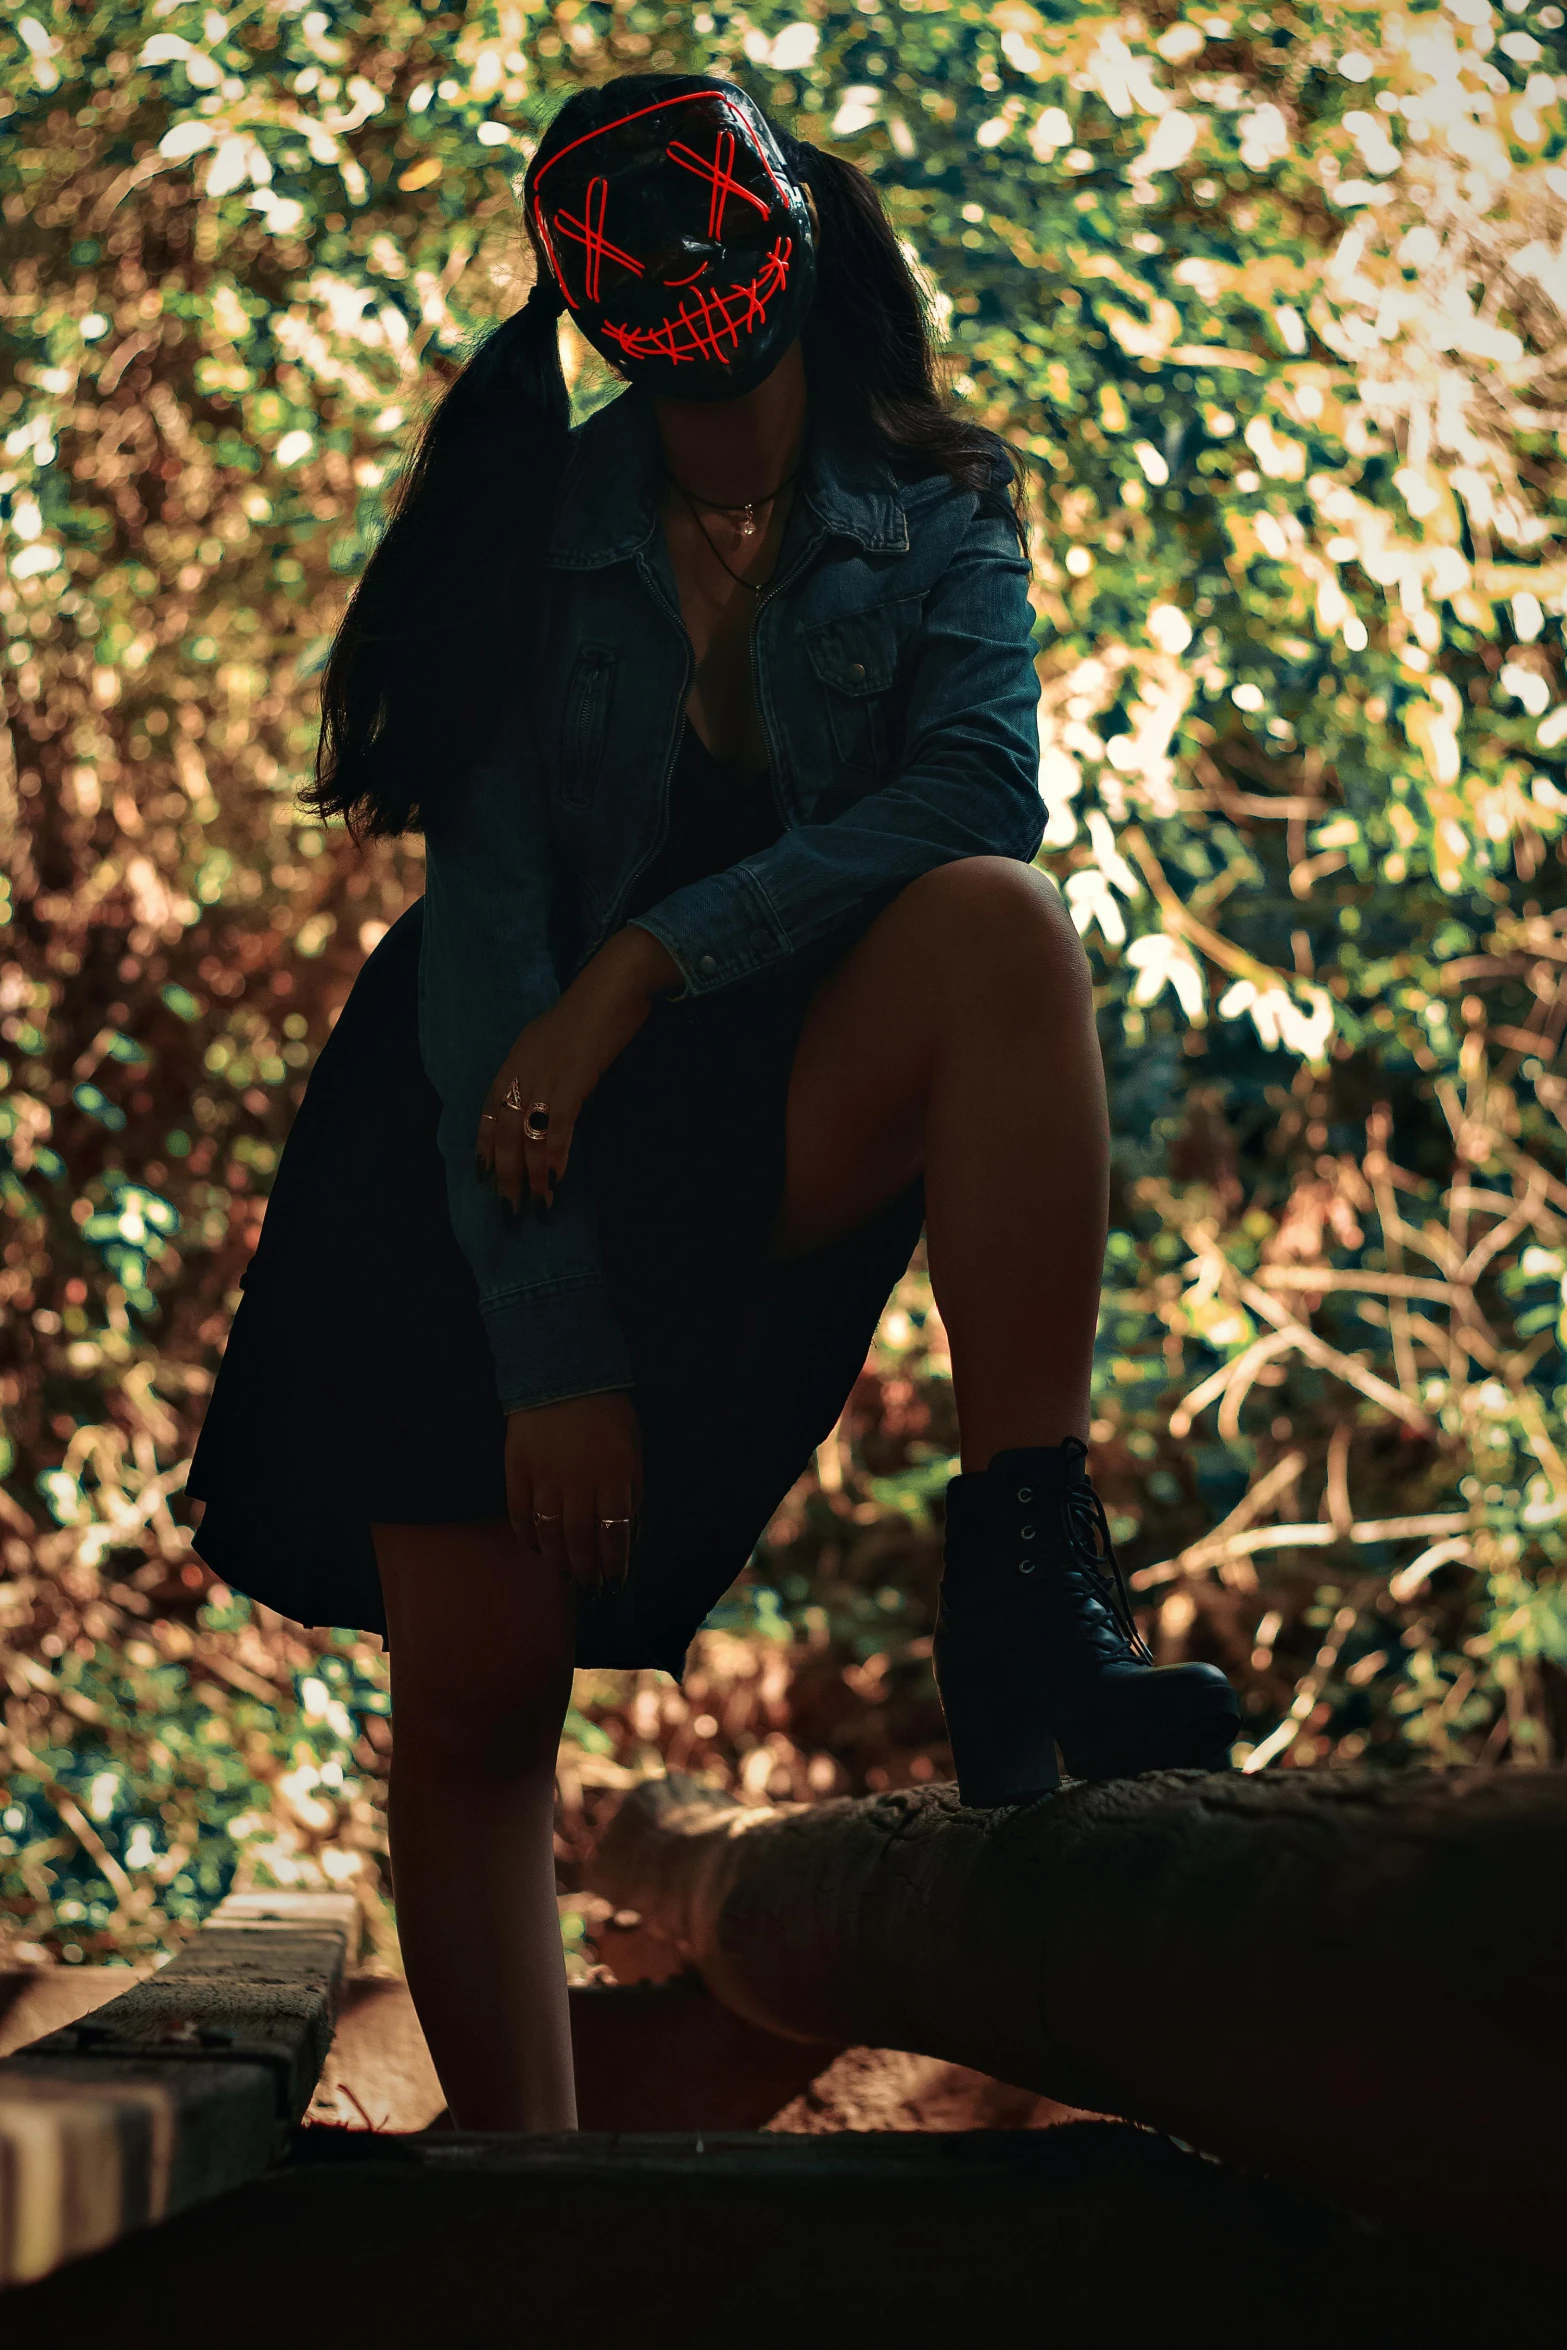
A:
<point x="680" y="243"/>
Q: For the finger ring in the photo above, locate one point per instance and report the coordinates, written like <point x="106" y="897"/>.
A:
<point x="547" y="1517"/>
<point x="486" y="1117"/>
<point x="614" y="1521"/>
<point x="536" y="1115"/>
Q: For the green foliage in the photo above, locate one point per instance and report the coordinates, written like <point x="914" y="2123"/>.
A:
<point x="1272" y="301"/>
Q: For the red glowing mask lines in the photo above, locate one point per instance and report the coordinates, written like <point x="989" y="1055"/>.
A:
<point x="703" y="331"/>
<point x="722" y="184"/>
<point x="719" y="175"/>
<point x="589" y="232"/>
<point x="695" y="334"/>
<point x="686" y="98"/>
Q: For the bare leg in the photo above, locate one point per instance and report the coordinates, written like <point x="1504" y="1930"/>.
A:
<point x="958" y="1035"/>
<point x="481" y="1646"/>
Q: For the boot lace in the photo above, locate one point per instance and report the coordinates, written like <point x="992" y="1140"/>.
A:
<point x="1086" y="1530"/>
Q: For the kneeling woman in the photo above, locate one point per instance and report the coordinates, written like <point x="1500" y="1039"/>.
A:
<point x="717" y="714"/>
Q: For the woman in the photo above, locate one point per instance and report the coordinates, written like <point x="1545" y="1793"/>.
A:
<point x="718" y="716"/>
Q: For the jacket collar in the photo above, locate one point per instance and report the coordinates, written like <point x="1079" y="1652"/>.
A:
<point x="854" y="490"/>
<point x="607" y="509"/>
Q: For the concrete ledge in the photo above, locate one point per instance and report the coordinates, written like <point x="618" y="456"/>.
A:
<point x="182" y="2087"/>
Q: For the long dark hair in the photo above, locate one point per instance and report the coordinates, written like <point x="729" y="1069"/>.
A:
<point x="413" y="689"/>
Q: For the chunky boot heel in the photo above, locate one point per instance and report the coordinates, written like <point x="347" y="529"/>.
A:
<point x="1037" y="1649"/>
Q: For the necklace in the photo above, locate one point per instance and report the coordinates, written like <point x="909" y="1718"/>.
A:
<point x="755" y="587"/>
<point x="746" y="509"/>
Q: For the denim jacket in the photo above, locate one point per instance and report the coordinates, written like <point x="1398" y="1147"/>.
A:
<point x="893" y="667"/>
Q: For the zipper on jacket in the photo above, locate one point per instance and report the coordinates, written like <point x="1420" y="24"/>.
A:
<point x="774" y="587"/>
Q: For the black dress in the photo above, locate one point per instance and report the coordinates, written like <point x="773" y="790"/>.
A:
<point x="358" y="1388"/>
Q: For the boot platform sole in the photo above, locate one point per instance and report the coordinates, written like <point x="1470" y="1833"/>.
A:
<point x="1204" y="1747"/>
<point x="1101" y="1765"/>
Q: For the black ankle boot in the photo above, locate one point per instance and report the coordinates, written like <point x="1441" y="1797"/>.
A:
<point x="1037" y="1647"/>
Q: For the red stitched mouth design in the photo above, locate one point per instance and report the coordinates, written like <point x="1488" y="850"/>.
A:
<point x="712" y="326"/>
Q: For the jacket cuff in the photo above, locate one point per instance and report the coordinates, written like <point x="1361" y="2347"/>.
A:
<point x="718" y="930"/>
<point x="555" y="1343"/>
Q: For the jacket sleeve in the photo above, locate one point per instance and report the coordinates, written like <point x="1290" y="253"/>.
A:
<point x="968" y="786"/>
<point x="486" y="969"/>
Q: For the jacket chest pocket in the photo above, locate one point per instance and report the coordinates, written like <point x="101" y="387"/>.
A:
<point x="856" y="663"/>
<point x="585" y="724"/>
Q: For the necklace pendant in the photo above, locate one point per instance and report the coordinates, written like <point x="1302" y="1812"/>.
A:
<point x="748" y="524"/>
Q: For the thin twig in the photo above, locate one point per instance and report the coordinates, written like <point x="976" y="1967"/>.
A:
<point x="1308" y="1534"/>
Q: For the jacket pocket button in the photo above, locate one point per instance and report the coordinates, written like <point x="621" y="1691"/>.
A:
<point x="857" y="672"/>
<point x="708" y="963"/>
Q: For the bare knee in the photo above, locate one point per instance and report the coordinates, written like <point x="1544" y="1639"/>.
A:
<point x="993" y="919"/>
<point x="993" y="895"/>
<point x="489" y="1737"/>
<point x="481" y="1648"/>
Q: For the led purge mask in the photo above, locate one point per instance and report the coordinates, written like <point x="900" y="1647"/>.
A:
<point x="680" y="243"/>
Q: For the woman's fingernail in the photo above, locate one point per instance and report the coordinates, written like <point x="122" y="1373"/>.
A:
<point x="540" y="1207"/>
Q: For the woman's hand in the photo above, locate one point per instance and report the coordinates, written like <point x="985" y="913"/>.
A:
<point x="570" y="1467"/>
<point x="560" y="1057"/>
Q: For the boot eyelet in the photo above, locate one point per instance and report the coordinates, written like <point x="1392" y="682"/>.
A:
<point x="1029" y="1533"/>
<point x="1026" y="1566"/>
<point x="1025" y="1493"/>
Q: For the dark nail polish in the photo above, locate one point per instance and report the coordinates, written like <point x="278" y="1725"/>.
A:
<point x="511" y="1211"/>
<point x="540" y="1207"/>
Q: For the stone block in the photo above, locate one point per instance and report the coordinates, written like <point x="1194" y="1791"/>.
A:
<point x="183" y="2086"/>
